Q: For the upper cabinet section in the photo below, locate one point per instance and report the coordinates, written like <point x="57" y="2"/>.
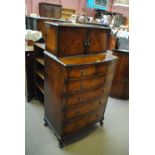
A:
<point x="64" y="39"/>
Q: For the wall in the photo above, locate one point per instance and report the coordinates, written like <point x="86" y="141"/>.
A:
<point x="78" y="5"/>
<point x="121" y="9"/>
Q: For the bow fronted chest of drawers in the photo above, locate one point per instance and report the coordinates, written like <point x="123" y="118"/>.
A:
<point x="76" y="91"/>
<point x="78" y="74"/>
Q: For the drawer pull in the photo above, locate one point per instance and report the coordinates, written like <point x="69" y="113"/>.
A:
<point x="83" y="73"/>
<point x="79" y="99"/>
<point x="100" y="102"/>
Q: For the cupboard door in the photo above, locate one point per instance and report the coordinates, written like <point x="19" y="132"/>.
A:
<point x="97" y="41"/>
<point x="71" y="41"/>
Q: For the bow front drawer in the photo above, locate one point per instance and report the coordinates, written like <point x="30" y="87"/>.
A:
<point x="77" y="98"/>
<point x="82" y="122"/>
<point x="81" y="72"/>
<point x="84" y="108"/>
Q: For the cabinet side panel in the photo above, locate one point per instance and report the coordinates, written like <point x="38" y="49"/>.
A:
<point x="51" y="39"/>
<point x="53" y="97"/>
<point x="41" y="25"/>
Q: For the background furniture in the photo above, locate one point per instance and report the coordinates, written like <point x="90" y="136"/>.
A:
<point x="50" y="10"/>
<point x="120" y="84"/>
<point x="66" y="13"/>
<point x="38" y="23"/>
<point x="39" y="70"/>
<point x="112" y="42"/>
<point x="29" y="66"/>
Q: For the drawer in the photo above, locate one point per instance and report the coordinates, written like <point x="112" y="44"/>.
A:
<point x="82" y="122"/>
<point x="85" y="84"/>
<point x="84" y="108"/>
<point x="81" y="72"/>
<point x="104" y="68"/>
<point x="92" y="70"/>
<point x="87" y="96"/>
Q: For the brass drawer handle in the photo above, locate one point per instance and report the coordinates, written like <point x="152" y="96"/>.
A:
<point x="83" y="73"/>
<point x="79" y="99"/>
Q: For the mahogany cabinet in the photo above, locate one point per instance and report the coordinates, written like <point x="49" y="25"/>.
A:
<point x="120" y="85"/>
<point x="50" y="10"/>
<point x="66" y="39"/>
<point x="76" y="90"/>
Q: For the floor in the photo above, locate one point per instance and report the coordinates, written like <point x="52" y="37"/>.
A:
<point x="111" y="139"/>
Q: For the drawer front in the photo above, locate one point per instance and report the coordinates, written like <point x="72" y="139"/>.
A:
<point x="91" y="70"/>
<point x="104" y="68"/>
<point x="81" y="72"/>
<point x="86" y="96"/>
<point x="82" y="122"/>
<point x="85" y="84"/>
<point x="84" y="109"/>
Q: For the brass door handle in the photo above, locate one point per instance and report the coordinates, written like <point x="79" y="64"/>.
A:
<point x="85" y="42"/>
<point x="83" y="73"/>
<point x="88" y="42"/>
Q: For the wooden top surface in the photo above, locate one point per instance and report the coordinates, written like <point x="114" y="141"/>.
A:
<point x="41" y="45"/>
<point x="82" y="59"/>
<point x="78" y="25"/>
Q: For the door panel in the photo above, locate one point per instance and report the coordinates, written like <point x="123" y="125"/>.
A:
<point x="71" y="41"/>
<point x="97" y="41"/>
